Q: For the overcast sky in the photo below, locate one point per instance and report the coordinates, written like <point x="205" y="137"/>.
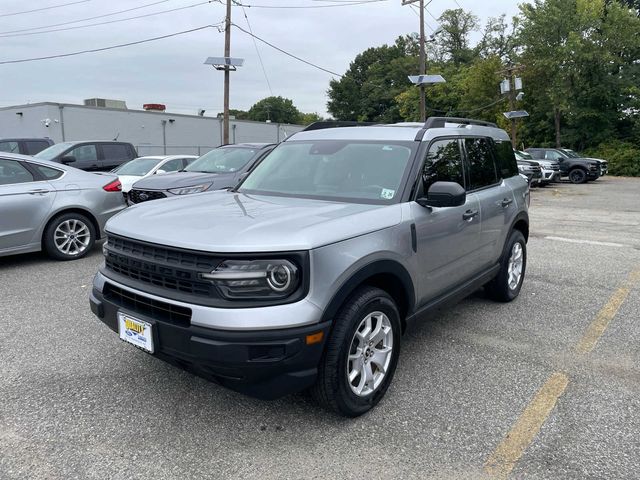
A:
<point x="170" y="71"/>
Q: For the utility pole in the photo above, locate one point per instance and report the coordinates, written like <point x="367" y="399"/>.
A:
<point x="510" y="72"/>
<point x="423" y="57"/>
<point x="227" y="68"/>
<point x="423" y="65"/>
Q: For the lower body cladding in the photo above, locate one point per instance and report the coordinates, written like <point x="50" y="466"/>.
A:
<point x="265" y="364"/>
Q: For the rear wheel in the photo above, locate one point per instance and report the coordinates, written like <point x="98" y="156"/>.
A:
<point x="506" y="286"/>
<point x="69" y="236"/>
<point x="361" y="354"/>
<point x="577" y="175"/>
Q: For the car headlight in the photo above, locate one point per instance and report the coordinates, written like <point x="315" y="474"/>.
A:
<point x="255" y="279"/>
<point x="190" y="190"/>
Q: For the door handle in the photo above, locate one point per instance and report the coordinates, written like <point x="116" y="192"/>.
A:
<point x="469" y="214"/>
<point x="506" y="202"/>
<point x="39" y="191"/>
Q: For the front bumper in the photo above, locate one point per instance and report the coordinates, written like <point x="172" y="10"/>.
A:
<point x="266" y="364"/>
<point x="549" y="176"/>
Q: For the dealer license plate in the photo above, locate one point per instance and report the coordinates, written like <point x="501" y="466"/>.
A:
<point x="136" y="332"/>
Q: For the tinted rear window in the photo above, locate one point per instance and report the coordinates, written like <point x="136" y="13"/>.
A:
<point x="117" y="151"/>
<point x="505" y="159"/>
<point x="35" y="146"/>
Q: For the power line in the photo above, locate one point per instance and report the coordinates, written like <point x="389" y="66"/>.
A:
<point x="255" y="44"/>
<point x="43" y="8"/>
<point x="85" y="19"/>
<point x="345" y="4"/>
<point x="94" y="50"/>
<point x="285" y="52"/>
<point x="107" y="22"/>
<point x="468" y="111"/>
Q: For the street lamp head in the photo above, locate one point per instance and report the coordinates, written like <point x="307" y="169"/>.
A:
<point x="426" y="79"/>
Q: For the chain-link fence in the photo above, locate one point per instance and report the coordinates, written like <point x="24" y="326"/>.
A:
<point x="146" y="150"/>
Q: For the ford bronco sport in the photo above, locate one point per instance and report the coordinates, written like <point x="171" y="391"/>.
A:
<point x="307" y="273"/>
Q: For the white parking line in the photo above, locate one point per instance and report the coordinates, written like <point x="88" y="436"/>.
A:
<point x="588" y="242"/>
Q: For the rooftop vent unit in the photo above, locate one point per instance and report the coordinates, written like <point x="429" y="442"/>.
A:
<point x="154" y="107"/>
<point x="105" y="103"/>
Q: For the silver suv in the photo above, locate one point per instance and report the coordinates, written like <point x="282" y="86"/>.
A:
<point x="306" y="275"/>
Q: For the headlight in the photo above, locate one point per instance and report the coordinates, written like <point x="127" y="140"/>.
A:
<point x="255" y="279"/>
<point x="190" y="190"/>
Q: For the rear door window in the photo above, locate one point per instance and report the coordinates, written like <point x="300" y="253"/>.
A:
<point x="482" y="170"/>
<point x="115" y="151"/>
<point x="172" y="165"/>
<point x="13" y="172"/>
<point x="505" y="159"/>
<point x="35" y="146"/>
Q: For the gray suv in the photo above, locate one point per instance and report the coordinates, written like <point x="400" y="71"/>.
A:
<point x="307" y="273"/>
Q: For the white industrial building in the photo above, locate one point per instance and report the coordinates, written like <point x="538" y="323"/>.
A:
<point x="151" y="132"/>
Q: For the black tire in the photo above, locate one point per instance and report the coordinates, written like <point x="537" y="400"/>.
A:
<point x="499" y="289"/>
<point x="578" y="175"/>
<point x="87" y="239"/>
<point x="332" y="389"/>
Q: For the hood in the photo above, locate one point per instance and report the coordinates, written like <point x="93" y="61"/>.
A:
<point x="166" y="181"/>
<point x="233" y="222"/>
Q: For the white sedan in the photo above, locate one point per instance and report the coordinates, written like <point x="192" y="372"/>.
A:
<point x="143" y="167"/>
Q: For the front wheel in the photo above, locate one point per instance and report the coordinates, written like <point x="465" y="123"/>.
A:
<point x="577" y="175"/>
<point x="361" y="354"/>
<point x="506" y="286"/>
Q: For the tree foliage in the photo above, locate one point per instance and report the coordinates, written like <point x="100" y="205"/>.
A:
<point x="580" y="64"/>
<point x="276" y="110"/>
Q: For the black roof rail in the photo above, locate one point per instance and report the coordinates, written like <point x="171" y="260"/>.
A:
<point x="335" y="124"/>
<point x="439" y="122"/>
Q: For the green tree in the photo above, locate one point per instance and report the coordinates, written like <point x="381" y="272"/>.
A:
<point x="309" y="118"/>
<point x="275" y="109"/>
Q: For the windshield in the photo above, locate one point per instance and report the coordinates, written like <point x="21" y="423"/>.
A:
<point x="138" y="167"/>
<point x="570" y="153"/>
<point x="222" y="160"/>
<point x="359" y="172"/>
<point x="53" y="151"/>
<point x="522" y="155"/>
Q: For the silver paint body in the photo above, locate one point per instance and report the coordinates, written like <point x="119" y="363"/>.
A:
<point x="26" y="208"/>
<point x="341" y="238"/>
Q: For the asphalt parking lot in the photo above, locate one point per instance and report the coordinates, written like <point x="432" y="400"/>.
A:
<point x="545" y="387"/>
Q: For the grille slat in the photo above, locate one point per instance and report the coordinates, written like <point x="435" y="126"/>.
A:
<point x="137" y="196"/>
<point x="147" y="306"/>
<point x="159" y="266"/>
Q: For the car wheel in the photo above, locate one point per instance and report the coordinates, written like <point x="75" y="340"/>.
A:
<point x="577" y="175"/>
<point x="507" y="284"/>
<point x="69" y="236"/>
<point x="361" y="354"/>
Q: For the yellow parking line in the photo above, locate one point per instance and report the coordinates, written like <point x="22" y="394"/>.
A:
<point x="507" y="454"/>
<point x="504" y="458"/>
<point x="604" y="317"/>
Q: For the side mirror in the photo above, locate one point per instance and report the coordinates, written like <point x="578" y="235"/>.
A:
<point x="67" y="159"/>
<point x="444" y="194"/>
<point x="160" y="171"/>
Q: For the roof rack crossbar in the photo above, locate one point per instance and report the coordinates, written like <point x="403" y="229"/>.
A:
<point x="440" y="122"/>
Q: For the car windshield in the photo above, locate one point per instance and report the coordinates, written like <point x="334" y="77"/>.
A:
<point x="522" y="155"/>
<point x="53" y="151"/>
<point x="138" y="167"/>
<point x="570" y="153"/>
<point x="349" y="171"/>
<point x="222" y="160"/>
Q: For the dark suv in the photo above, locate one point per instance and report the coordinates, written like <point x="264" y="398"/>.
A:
<point x="579" y="170"/>
<point x="306" y="274"/>
<point x="24" y="146"/>
<point x="90" y="156"/>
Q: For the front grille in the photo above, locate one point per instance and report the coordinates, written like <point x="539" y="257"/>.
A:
<point x="137" y="196"/>
<point x="166" y="268"/>
<point x="147" y="306"/>
<point x="593" y="168"/>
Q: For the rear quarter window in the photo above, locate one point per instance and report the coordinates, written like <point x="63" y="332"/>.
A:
<point x="35" y="146"/>
<point x="505" y="159"/>
<point x="47" y="172"/>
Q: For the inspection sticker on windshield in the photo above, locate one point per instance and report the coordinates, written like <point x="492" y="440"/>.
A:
<point x="387" y="194"/>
